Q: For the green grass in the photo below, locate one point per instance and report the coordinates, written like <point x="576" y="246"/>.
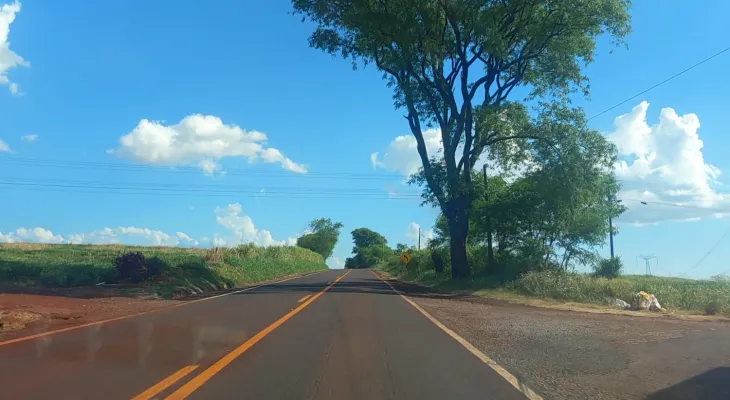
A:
<point x="699" y="296"/>
<point x="710" y="297"/>
<point x="186" y="269"/>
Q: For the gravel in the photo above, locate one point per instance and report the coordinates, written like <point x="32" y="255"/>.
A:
<point x="574" y="355"/>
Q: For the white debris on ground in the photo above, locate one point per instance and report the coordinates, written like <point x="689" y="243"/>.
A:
<point x="646" y="301"/>
<point x="618" y="303"/>
<point x="642" y="301"/>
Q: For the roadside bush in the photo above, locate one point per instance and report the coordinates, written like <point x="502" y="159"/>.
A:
<point x="156" y="266"/>
<point x="438" y="261"/>
<point x="608" y="268"/>
<point x="131" y="266"/>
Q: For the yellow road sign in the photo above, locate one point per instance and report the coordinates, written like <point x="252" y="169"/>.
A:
<point x="406" y="258"/>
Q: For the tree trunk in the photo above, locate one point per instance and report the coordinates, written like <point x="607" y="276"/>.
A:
<point x="459" y="230"/>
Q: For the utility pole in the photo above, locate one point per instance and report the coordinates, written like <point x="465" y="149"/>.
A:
<point x="610" y="225"/>
<point x="419" y="238"/>
<point x="490" y="251"/>
<point x="647" y="264"/>
<point x="610" y="234"/>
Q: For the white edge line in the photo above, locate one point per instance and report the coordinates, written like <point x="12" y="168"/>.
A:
<point x="123" y="317"/>
<point x="520" y="386"/>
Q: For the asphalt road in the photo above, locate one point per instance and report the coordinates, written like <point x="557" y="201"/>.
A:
<point x="329" y="335"/>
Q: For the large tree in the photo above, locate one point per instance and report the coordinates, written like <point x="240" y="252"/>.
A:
<point x="454" y="63"/>
<point x="322" y="238"/>
<point x="370" y="248"/>
<point x="556" y="209"/>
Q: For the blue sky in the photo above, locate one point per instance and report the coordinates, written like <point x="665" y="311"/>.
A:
<point x="103" y="84"/>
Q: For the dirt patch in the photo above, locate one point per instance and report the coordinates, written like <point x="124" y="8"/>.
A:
<point x="16" y="320"/>
<point x="22" y="314"/>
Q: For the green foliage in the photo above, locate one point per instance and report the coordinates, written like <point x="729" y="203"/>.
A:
<point x="171" y="269"/>
<point x="454" y="64"/>
<point x="711" y="297"/>
<point x="370" y="249"/>
<point x="364" y="237"/>
<point x="556" y="212"/>
<point x="673" y="293"/>
<point x="323" y="238"/>
<point x="608" y="268"/>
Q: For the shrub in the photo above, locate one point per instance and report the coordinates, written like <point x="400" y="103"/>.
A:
<point x="156" y="266"/>
<point x="608" y="268"/>
<point x="131" y="266"/>
<point x="438" y="261"/>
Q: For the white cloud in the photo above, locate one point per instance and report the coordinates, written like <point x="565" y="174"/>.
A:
<point x="187" y="239"/>
<point x="242" y="228"/>
<point x="402" y="156"/>
<point x="413" y="231"/>
<point x="335" y="262"/>
<point x="29" y="138"/>
<point x="8" y="58"/>
<point x="200" y="140"/>
<point x="4" y="147"/>
<point x="39" y="235"/>
<point x="127" y="235"/>
<point x="664" y="163"/>
<point x="272" y="155"/>
<point x="402" y="153"/>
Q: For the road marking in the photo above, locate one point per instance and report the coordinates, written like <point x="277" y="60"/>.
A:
<point x="521" y="386"/>
<point x="71" y="328"/>
<point x="165" y="383"/>
<point x="187" y="389"/>
<point x="304" y="298"/>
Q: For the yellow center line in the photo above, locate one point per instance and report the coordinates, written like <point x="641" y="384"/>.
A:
<point x="187" y="389"/>
<point x="304" y="298"/>
<point x="165" y="383"/>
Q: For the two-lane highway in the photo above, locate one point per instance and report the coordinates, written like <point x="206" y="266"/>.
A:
<point x="329" y="335"/>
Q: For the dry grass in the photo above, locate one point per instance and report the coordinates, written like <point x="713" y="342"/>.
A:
<point x="16" y="320"/>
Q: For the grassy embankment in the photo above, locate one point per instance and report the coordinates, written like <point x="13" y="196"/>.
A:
<point x="676" y="294"/>
<point x="184" y="270"/>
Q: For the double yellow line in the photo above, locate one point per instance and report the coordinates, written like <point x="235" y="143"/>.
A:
<point x="194" y="384"/>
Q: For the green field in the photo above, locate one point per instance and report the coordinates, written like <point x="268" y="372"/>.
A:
<point x="183" y="269"/>
<point x="709" y="297"/>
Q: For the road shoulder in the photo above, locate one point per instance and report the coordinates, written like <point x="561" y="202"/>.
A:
<point x="565" y="354"/>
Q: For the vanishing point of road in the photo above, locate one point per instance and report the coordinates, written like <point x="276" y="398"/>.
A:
<point x="328" y="335"/>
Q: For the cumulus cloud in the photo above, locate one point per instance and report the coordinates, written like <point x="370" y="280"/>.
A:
<point x="200" y="140"/>
<point x="186" y="239"/>
<point x="40" y="235"/>
<point x="8" y="58"/>
<point x="402" y="153"/>
<point x="242" y="229"/>
<point x="29" y="138"/>
<point x="413" y="231"/>
<point x="4" y="147"/>
<point x="402" y="156"/>
<point x="663" y="165"/>
<point x="126" y="235"/>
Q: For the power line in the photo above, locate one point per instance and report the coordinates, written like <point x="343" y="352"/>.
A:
<point x="660" y="83"/>
<point x="188" y="187"/>
<point x="30" y="162"/>
<point x="678" y="205"/>
<point x="708" y="253"/>
<point x="91" y="189"/>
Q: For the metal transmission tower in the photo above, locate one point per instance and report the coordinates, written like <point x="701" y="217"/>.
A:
<point x="647" y="262"/>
